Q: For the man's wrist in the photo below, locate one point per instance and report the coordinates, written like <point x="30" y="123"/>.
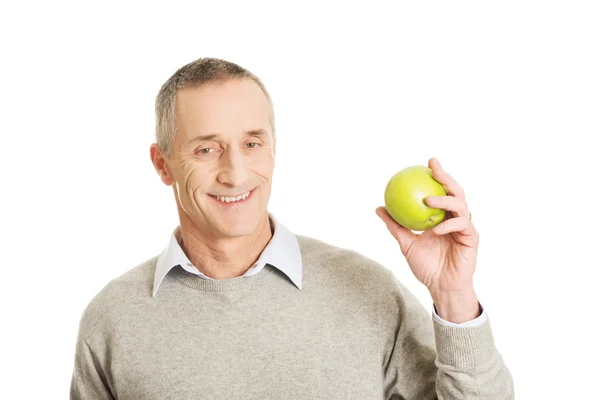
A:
<point x="457" y="307"/>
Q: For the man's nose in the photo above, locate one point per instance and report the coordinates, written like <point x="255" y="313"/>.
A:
<point x="232" y="170"/>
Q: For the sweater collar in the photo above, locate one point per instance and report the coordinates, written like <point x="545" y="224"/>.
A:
<point x="282" y="252"/>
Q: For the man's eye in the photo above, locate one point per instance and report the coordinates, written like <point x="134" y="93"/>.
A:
<point x="206" y="150"/>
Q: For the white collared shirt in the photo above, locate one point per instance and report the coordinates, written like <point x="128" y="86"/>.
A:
<point x="282" y="252"/>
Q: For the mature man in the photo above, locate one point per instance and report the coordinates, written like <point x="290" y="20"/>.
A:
<point x="239" y="307"/>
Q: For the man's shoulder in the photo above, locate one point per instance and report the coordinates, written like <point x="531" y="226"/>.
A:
<point x="346" y="263"/>
<point x="349" y="270"/>
<point x="107" y="307"/>
<point x="130" y="282"/>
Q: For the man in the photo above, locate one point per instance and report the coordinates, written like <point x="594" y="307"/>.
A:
<point x="239" y="307"/>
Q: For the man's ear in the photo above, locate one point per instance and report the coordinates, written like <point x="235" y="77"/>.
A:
<point x="159" y="161"/>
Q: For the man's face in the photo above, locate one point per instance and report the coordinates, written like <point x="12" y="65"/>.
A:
<point x="232" y="163"/>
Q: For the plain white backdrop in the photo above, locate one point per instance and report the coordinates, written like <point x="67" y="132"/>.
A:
<point x="506" y="95"/>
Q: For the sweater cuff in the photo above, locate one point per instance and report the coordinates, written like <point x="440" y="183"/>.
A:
<point x="464" y="346"/>
<point x="474" y="322"/>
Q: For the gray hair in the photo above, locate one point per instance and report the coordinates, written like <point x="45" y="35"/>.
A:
<point x="194" y="74"/>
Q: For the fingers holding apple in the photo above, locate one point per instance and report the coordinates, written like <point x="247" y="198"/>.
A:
<point x="457" y="224"/>
<point x="420" y="198"/>
<point x="449" y="203"/>
<point x="450" y="184"/>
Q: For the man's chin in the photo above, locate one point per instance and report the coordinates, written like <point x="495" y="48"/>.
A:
<point x="233" y="224"/>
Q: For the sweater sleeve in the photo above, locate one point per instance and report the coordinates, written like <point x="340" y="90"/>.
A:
<point x="428" y="360"/>
<point x="89" y="381"/>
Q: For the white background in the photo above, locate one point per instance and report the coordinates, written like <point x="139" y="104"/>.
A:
<point x="506" y="95"/>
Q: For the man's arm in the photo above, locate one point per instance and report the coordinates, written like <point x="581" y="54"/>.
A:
<point x="441" y="362"/>
<point x="89" y="380"/>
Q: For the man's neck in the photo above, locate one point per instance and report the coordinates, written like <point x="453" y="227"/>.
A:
<point x="229" y="258"/>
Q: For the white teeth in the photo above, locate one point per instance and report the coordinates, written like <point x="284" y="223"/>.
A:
<point x="232" y="199"/>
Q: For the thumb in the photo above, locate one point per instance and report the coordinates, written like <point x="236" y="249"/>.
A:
<point x="404" y="236"/>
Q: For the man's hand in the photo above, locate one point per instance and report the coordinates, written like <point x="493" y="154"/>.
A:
<point x="443" y="258"/>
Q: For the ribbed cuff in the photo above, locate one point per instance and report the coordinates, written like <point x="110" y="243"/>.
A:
<point x="464" y="347"/>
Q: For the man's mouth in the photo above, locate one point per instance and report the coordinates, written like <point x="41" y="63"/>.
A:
<point x="233" y="199"/>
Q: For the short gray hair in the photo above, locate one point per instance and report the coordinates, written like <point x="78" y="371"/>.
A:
<point x="194" y="74"/>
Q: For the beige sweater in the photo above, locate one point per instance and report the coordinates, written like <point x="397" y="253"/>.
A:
<point x="352" y="332"/>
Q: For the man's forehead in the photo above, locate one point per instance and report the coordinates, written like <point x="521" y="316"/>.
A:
<point x="210" y="115"/>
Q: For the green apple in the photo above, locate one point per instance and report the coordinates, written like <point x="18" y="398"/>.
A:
<point x="405" y="196"/>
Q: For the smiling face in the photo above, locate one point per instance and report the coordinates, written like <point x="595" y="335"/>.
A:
<point x="224" y="147"/>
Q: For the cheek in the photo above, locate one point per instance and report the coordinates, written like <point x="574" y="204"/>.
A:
<point x="265" y="172"/>
<point x="194" y="183"/>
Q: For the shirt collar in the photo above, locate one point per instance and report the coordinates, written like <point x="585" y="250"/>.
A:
<point x="282" y="252"/>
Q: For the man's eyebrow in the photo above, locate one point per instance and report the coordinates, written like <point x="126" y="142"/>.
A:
<point x="253" y="132"/>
